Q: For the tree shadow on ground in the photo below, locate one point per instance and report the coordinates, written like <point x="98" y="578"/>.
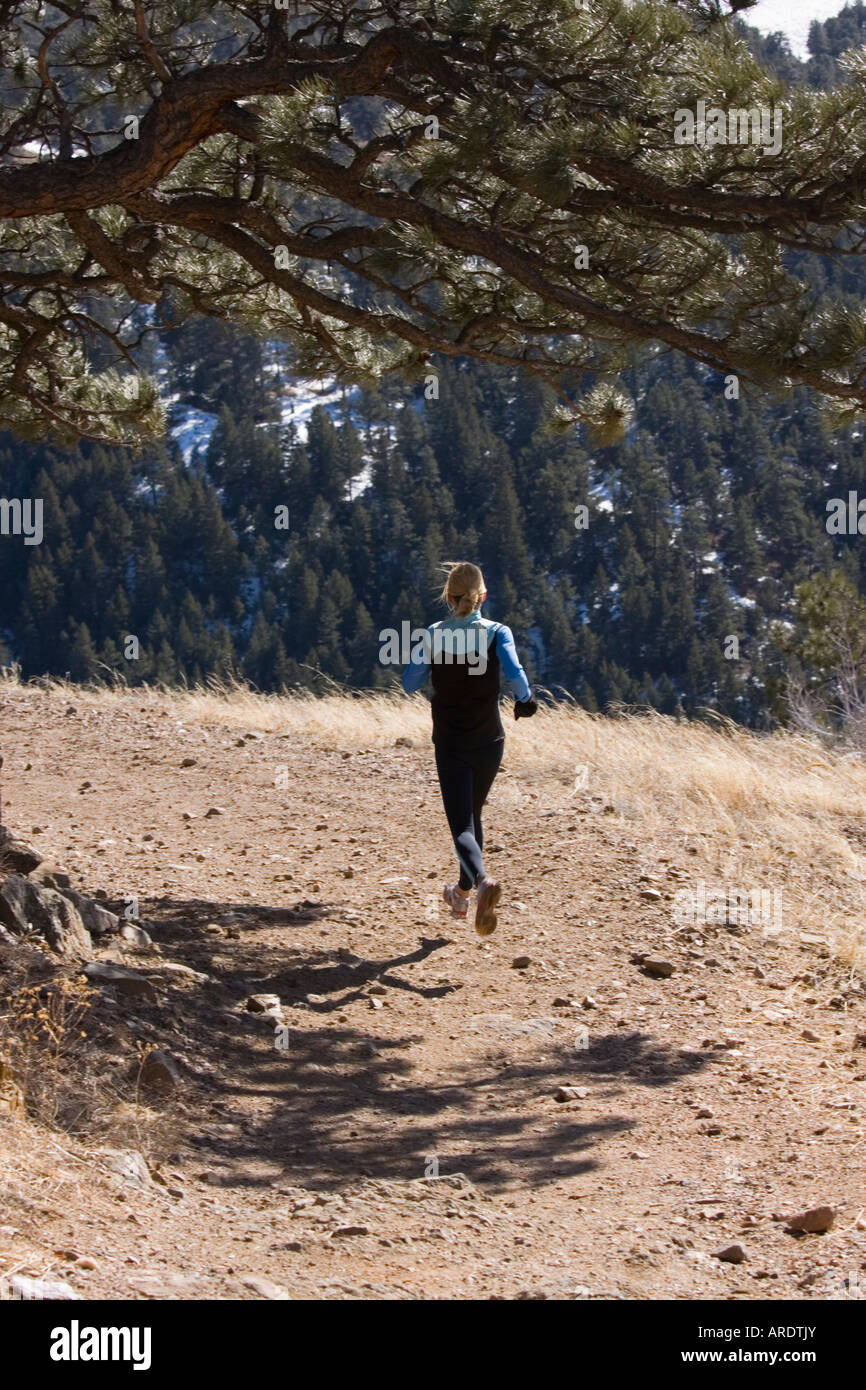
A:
<point x="327" y="1102"/>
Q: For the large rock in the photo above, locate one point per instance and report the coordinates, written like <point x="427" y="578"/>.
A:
<point x="15" y="856"/>
<point x="98" y="920"/>
<point x="27" y="906"/>
<point x="48" y="875"/>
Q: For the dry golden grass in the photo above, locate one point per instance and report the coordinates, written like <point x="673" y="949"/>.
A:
<point x="40" y="1032"/>
<point x="780" y="809"/>
<point x="51" y="1076"/>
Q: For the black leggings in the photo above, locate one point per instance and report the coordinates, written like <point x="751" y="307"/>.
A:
<point x="465" y="780"/>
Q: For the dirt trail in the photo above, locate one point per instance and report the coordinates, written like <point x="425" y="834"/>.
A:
<point x="705" y="1103"/>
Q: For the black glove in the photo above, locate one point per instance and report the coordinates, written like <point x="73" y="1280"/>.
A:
<point x="524" y="708"/>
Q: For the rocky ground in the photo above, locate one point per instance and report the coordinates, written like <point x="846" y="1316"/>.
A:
<point x="296" y="1076"/>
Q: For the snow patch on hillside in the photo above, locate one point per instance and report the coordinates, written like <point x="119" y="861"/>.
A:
<point x="301" y="398"/>
<point x="192" y="430"/>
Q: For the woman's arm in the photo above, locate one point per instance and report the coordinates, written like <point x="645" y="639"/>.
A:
<point x="415" y="673"/>
<point x="510" y="663"/>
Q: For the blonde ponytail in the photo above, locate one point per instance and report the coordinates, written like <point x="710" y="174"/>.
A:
<point x="464" y="588"/>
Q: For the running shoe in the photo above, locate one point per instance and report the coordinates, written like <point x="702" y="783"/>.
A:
<point x="487" y="897"/>
<point x="456" y="901"/>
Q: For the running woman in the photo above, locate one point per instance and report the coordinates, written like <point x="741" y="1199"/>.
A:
<point x="465" y="655"/>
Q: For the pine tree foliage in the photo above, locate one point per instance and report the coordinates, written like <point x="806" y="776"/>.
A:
<point x="372" y="183"/>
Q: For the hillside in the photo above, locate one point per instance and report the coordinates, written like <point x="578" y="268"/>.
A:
<point x="282" y="522"/>
<point x="296" y="1152"/>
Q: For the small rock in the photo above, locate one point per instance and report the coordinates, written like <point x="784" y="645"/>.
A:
<point x="521" y="963"/>
<point x="262" y="1003"/>
<point x="160" y="1071"/>
<point x="565" y="1093"/>
<point x="561" y="1002"/>
<point x="189" y="762"/>
<point x="403" y="742"/>
<point x="651" y="895"/>
<point x="214" y="811"/>
<point x="814" y="1220"/>
<point x="809" y="1035"/>
<point x="136" y="935"/>
<point x="350" y="1231"/>
<point x="731" y="1254"/>
<point x="174" y="969"/>
<point x="121" y="978"/>
<point x="266" y="1288"/>
<point x="587" y="1002"/>
<point x="704" y="1113"/>
<point x="128" y="1164"/>
<point x="658" y="968"/>
<point x="22" y="1287"/>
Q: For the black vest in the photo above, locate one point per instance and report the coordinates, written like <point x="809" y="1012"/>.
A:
<point x="466" y="705"/>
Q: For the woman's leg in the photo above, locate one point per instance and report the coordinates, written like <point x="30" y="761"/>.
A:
<point x="456" y="784"/>
<point x="485" y="765"/>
